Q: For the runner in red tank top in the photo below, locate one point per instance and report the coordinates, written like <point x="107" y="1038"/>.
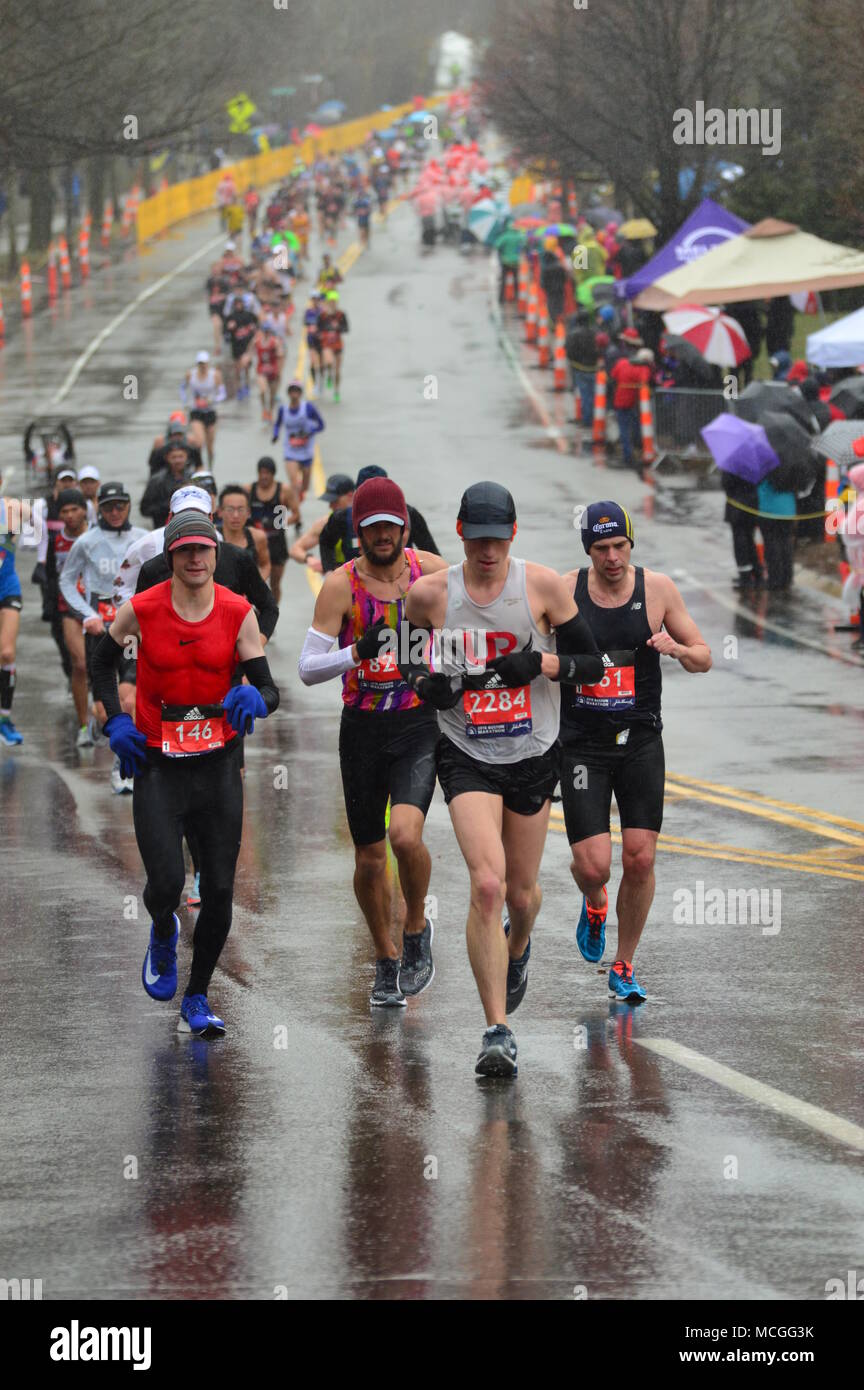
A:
<point x="189" y="634"/>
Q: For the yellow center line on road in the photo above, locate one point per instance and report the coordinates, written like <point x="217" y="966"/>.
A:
<point x="823" y="1121"/>
<point x="751" y="808"/>
<point x="768" y="859"/>
<point x="745" y="795"/>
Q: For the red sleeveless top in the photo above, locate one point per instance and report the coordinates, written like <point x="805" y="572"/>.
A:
<point x="183" y="663"/>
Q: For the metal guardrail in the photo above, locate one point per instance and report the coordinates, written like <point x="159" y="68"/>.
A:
<point x="680" y="413"/>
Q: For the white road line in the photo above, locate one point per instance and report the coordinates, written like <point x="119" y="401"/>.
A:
<point x="758" y="621"/>
<point x="81" y="362"/>
<point x="844" y="1131"/>
<point x="551" y="431"/>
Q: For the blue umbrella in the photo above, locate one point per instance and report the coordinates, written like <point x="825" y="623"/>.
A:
<point x="329" y="111"/>
<point x="418" y="116"/>
<point x="740" y="448"/>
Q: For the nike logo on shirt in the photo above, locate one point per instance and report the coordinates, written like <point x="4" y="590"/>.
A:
<point x="185" y="642"/>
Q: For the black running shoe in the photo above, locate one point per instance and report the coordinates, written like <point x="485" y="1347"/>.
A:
<point x="497" y="1053"/>
<point x="386" y="992"/>
<point x="417" y="971"/>
<point x="517" y="974"/>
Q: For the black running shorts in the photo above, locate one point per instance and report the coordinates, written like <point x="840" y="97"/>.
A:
<point x="389" y="755"/>
<point x="13" y="601"/>
<point x="525" y="786"/>
<point x="206" y="417"/>
<point x="592" y="772"/>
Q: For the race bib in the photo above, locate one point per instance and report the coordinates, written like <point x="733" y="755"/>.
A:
<point x="188" y="732"/>
<point x="201" y="403"/>
<point x="379" y="673"/>
<point x="297" y="441"/>
<point x="617" y="689"/>
<point x="106" y="609"/>
<point x="497" y="713"/>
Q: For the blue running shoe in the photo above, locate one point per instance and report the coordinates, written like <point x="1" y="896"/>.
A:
<point x="624" y="985"/>
<point x="591" y="931"/>
<point x="197" y="1017"/>
<point x="193" y="897"/>
<point x="517" y="974"/>
<point x="8" y="733"/>
<point x="159" y="972"/>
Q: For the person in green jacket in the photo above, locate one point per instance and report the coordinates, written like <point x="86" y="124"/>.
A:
<point x="778" y="533"/>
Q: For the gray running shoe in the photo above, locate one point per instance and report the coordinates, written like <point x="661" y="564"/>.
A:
<point x="497" y="1053"/>
<point x="386" y="992"/>
<point x="417" y="971"/>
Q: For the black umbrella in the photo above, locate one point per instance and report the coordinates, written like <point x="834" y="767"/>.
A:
<point x="761" y="397"/>
<point x="690" y="356"/>
<point x="598" y="217"/>
<point x="791" y="443"/>
<point x="848" y="396"/>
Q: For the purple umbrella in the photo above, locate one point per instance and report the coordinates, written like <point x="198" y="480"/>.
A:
<point x="740" y="448"/>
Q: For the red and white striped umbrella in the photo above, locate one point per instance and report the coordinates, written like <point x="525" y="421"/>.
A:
<point x="719" y="338"/>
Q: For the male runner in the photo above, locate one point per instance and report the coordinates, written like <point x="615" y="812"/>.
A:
<point x="72" y="512"/>
<point x="337" y="541"/>
<point x="273" y="507"/>
<point x="89" y="479"/>
<point x="95" y="558"/>
<point x="183" y="749"/>
<point x="234" y="516"/>
<point x="241" y="326"/>
<point x="205" y="389"/>
<point x="332" y="326"/>
<point x="301" y="422"/>
<point x="12" y="515"/>
<point x="151" y="543"/>
<point x="270" y="354"/>
<point x="338" y="492"/>
<point x="497" y="756"/>
<point x="387" y="737"/>
<point x="611" y="733"/>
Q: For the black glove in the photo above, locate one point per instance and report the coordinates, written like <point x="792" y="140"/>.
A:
<point x="369" y="645"/>
<point x="438" y="690"/>
<point x="507" y="672"/>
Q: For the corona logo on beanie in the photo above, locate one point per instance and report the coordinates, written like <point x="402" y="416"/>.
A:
<point x="603" y="521"/>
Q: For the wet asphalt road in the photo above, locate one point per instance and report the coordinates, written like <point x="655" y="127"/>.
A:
<point x="324" y="1150"/>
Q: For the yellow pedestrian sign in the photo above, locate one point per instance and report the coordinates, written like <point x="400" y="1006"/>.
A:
<point x="241" y="110"/>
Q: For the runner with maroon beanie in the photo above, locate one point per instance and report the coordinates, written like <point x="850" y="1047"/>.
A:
<point x="184" y="748"/>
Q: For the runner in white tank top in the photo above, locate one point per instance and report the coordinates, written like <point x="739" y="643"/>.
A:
<point x="497" y="756"/>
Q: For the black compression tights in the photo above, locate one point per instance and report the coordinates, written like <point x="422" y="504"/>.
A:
<point x="172" y="795"/>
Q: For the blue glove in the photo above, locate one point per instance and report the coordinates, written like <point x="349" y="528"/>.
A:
<point x="243" y="705"/>
<point x="127" y="742"/>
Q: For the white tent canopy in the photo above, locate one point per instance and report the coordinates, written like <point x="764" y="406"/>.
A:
<point x="841" y="344"/>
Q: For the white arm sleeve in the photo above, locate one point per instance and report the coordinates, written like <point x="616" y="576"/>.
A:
<point x="318" y="662"/>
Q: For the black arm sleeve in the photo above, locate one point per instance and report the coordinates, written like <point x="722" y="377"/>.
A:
<point x="258" y="673"/>
<point x="252" y="586"/>
<point x="106" y="659"/>
<point x="327" y="542"/>
<point x="579" y="659"/>
<point x="412" y="641"/>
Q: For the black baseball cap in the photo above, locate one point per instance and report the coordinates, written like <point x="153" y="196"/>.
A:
<point x="113" y="492"/>
<point x="337" y="485"/>
<point x="371" y="470"/>
<point x="487" y="509"/>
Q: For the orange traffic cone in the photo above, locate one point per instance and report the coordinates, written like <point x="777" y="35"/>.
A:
<point x="52" y="275"/>
<point x="509" y="289"/>
<point x="560" y="363"/>
<point x="107" y="223"/>
<point x="542" y="331"/>
<point x="598" y="437"/>
<point x="531" y="316"/>
<point x="26" y="291"/>
<point x="84" y="251"/>
<point x="522" y="304"/>
<point x="646" y="425"/>
<point x="577" y="408"/>
<point x="65" y="267"/>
